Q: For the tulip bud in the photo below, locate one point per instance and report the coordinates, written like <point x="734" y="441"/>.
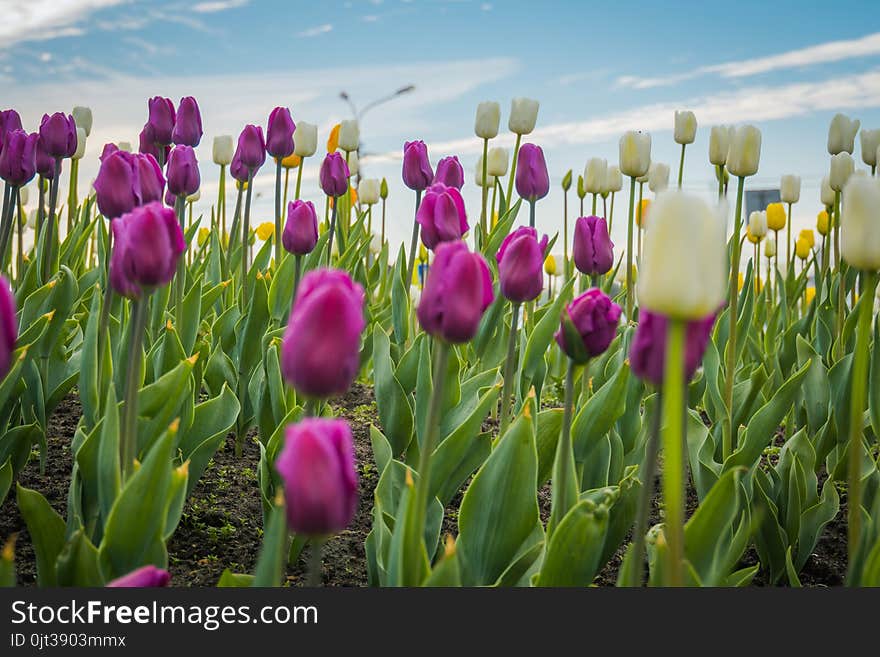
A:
<point x="532" y="178"/>
<point x="647" y="356"/>
<point x="635" y="153"/>
<point x="188" y="123"/>
<point x="807" y="234"/>
<point x="842" y="167"/>
<point x="488" y="118"/>
<point x="305" y="139"/>
<point x="161" y="119"/>
<point x="581" y="192"/>
<point x="478" y="174"/>
<point x="317" y="466"/>
<point x="802" y="248"/>
<point x="449" y="172"/>
<point x="300" y="233"/>
<point x="144" y="577"/>
<point x="790" y="189"/>
<point x="685" y="127"/>
<point x="18" y="157"/>
<point x="147" y="243"/>
<point x="595" y="173"/>
<point x="497" y="163"/>
<point x="8" y="326"/>
<point x="523" y="116"/>
<point x="417" y="174"/>
<point x="80" y="144"/>
<point x="658" y="177"/>
<point x="441" y="215"/>
<point x="859" y="237"/>
<point x="842" y="134"/>
<point x="769" y="248"/>
<point x="682" y="274"/>
<point x="334" y="175"/>
<point x="758" y="225"/>
<point x="183" y="171"/>
<point x="223" y="149"/>
<point x="613" y="181"/>
<point x="823" y="223"/>
<point x="776" y="216"/>
<point x="566" y="181"/>
<point x="383" y="189"/>
<point x="593" y="250"/>
<point x="826" y="194"/>
<point x="519" y="265"/>
<point x="251" y="150"/>
<point x="58" y="135"/>
<point x="82" y="116"/>
<point x="589" y="324"/>
<point x="719" y="144"/>
<point x="195" y="196"/>
<point x="279" y="133"/>
<point x="550" y="265"/>
<point x="320" y="353"/>
<point x="745" y="151"/>
<point x="349" y="135"/>
<point x="368" y="190"/>
<point x="265" y="230"/>
<point x="457" y="291"/>
<point x="353" y="163"/>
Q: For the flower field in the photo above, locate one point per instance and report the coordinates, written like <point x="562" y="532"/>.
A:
<point x="214" y="400"/>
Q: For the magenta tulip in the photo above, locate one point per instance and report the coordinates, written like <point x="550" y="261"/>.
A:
<point x="58" y="134"/>
<point x="8" y="326"/>
<point x="18" y="159"/>
<point x="521" y="265"/>
<point x="532" y="179"/>
<point x="108" y="150"/>
<point x="125" y="181"/>
<point x="593" y="249"/>
<point x="449" y="172"/>
<point x="334" y="175"/>
<point x="46" y="165"/>
<point x="9" y="121"/>
<point x="279" y="133"/>
<point x="143" y="577"/>
<point x="251" y="150"/>
<point x="188" y="123"/>
<point x="647" y="354"/>
<point x="589" y="324"/>
<point x="148" y="146"/>
<point x="161" y="120"/>
<point x="301" y="230"/>
<point x="238" y="170"/>
<point x="183" y="171"/>
<point x="417" y="174"/>
<point x="441" y="215"/>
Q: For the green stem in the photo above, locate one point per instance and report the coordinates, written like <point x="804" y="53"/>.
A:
<point x="841" y="280"/>
<point x="513" y="164"/>
<point x="565" y="233"/>
<point x="332" y="230"/>
<point x="611" y="214"/>
<point x="790" y="233"/>
<point x="48" y="247"/>
<point x="673" y="449"/>
<point x="564" y="493"/>
<point x="245" y="247"/>
<point x="414" y="242"/>
<point x="532" y="212"/>
<point x="509" y="370"/>
<point x="180" y="276"/>
<point x="383" y="221"/>
<point x="297" y="272"/>
<point x="72" y="201"/>
<point x="315" y="577"/>
<point x="593" y="211"/>
<point x="728" y="432"/>
<point x="221" y="201"/>
<point x="629" y="250"/>
<point x="681" y="167"/>
<point x="128" y="444"/>
<point x="299" y="176"/>
<point x="720" y="169"/>
<point x="484" y="196"/>
<point x="277" y="235"/>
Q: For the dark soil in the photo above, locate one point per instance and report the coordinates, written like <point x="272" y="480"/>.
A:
<point x="222" y="523"/>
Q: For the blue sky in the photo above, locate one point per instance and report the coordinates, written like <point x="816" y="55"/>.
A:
<point x="598" y="69"/>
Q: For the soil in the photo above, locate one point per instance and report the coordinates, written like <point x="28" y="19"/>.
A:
<point x="221" y="526"/>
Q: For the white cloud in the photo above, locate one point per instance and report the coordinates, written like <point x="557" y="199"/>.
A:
<point x="39" y="20"/>
<point x="318" y="30"/>
<point x="823" y="53"/>
<point x="218" y="5"/>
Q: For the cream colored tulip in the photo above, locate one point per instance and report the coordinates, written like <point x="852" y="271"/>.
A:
<point x="635" y="153"/>
<point x="870" y="143"/>
<point x="82" y="116"/>
<point x="859" y="237"/>
<point x="719" y="144"/>
<point x="594" y="175"/>
<point x="349" y="135"/>
<point x="758" y="224"/>
<point x="769" y="248"/>
<point x="80" y="143"/>
<point x="497" y="162"/>
<point x="842" y="167"/>
<point x="478" y="174"/>
<point x="305" y="139"/>
<point x="790" y="189"/>
<point x="353" y="164"/>
<point x="685" y="127"/>
<point x="23" y="195"/>
<point x="368" y="191"/>
<point x="523" y="115"/>
<point x="223" y="150"/>
<point x="658" y="177"/>
<point x="613" y="180"/>
<point x="745" y="151"/>
<point x="842" y="134"/>
<point x="487" y="120"/>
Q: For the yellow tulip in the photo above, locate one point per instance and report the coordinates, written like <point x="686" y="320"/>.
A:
<point x="809" y="235"/>
<point x="802" y="248"/>
<point x="204" y="233"/>
<point x="776" y="216"/>
<point x="752" y="238"/>
<point x="822" y="222"/>
<point x="292" y="161"/>
<point x="740" y="281"/>
<point x="265" y="230"/>
<point x="550" y="265"/>
<point x="810" y="294"/>
<point x="423" y="253"/>
<point x="333" y="139"/>
<point x="494" y="218"/>
<point x="642" y="214"/>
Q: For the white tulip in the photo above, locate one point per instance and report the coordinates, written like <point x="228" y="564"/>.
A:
<point x="23" y="195"/>
<point x="719" y="144"/>
<point x="523" y="115"/>
<point x="842" y="167"/>
<point x="682" y="274"/>
<point x="488" y="118"/>
<point x="594" y="175"/>
<point x="842" y="134"/>
<point x="32" y="219"/>
<point x="305" y="139"/>
<point x="375" y="243"/>
<point x="223" y="150"/>
<point x="859" y="237"/>
<point x="195" y="196"/>
<point x="758" y="224"/>
<point x="769" y="248"/>
<point x="790" y="189"/>
<point x="745" y="151"/>
<point x="353" y="164"/>
<point x="349" y="135"/>
<point x="478" y="174"/>
<point x="685" y="127"/>
<point x="870" y="142"/>
<point x="658" y="177"/>
<point x="82" y="116"/>
<point x="613" y="181"/>
<point x="826" y="194"/>
<point x="368" y="191"/>
<point x="124" y="146"/>
<point x="80" y="144"/>
<point x="635" y="153"/>
<point x="496" y="162"/>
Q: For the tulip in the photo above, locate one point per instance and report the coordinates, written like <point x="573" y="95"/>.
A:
<point x="82" y="116"/>
<point x="23" y="196"/>
<point x="457" y="291"/>
<point x="126" y="181"/>
<point x="775" y="216"/>
<point x="593" y="250"/>
<point x="769" y="249"/>
<point x="317" y="466"/>
<point x="320" y="352"/>
<point x="349" y="136"/>
<point x="478" y="175"/>
<point x="334" y="175"/>
<point x="595" y="174"/>
<point x="588" y="326"/>
<point x="441" y="216"/>
<point x="802" y="247"/>
<point x="183" y="171"/>
<point x="144" y="577"/>
<point x="842" y="134"/>
<point x="790" y="189"/>
<point x="333" y="138"/>
<point x="826" y="193"/>
<point x="870" y="144"/>
<point x="449" y="172"/>
<point x="46" y="165"/>
<point x="305" y="139"/>
<point x="842" y="167"/>
<point x="745" y="151"/>
<point x="685" y="127"/>
<point x="658" y="177"/>
<point x="80" y="144"/>
<point x="279" y="133"/>
<point x="9" y="121"/>
<point x="613" y="180"/>
<point x="758" y="225"/>
<point x="251" y="148"/>
<point x="642" y="214"/>
<point x="635" y="153"/>
<point x="523" y="116"/>
<point x="8" y="326"/>
<point x="497" y="163"/>
<point x="859" y="237"/>
<point x="368" y="190"/>
<point x="188" y="123"/>
<point x="532" y="179"/>
<point x="148" y="146"/>
<point x="301" y="230"/>
<point x="18" y="163"/>
<point x="550" y="265"/>
<point x="58" y="133"/>
<point x="417" y="174"/>
<point x="648" y="351"/>
<point x="487" y="120"/>
<point x="161" y="120"/>
<point x="823" y="223"/>
<point x="353" y="163"/>
<point x="519" y="265"/>
<point x="264" y="231"/>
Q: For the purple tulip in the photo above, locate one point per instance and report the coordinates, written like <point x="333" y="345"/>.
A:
<point x="593" y="249"/>
<point x="188" y="123"/>
<point x="161" y="120"/>
<point x="457" y="292"/>
<point x="8" y="326"/>
<point x="301" y="230"/>
<point x="441" y="215"/>
<point x="417" y="174"/>
<point x="147" y="243"/>
<point x="127" y="180"/>
<point x="18" y="159"/>
<point x="108" y="150"/>
<point x="532" y="179"/>
<point x="521" y="265"/>
<point x="148" y="146"/>
<point x="279" y="133"/>
<point x="9" y="121"/>
<point x="318" y="468"/>
<point x="45" y="163"/>
<point x="251" y="150"/>
<point x="183" y="171"/>
<point x="143" y="577"/>
<point x="589" y="324"/>
<point x="237" y="170"/>
<point x="647" y="354"/>
<point x="58" y="134"/>
<point x="334" y="175"/>
<point x="320" y="354"/>
<point x="449" y="172"/>
<point x="151" y="179"/>
<point x="170" y="199"/>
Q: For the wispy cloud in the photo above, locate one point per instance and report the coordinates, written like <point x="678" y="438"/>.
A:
<point x="318" y="30"/>
<point x="822" y="53"/>
<point x="218" y="5"/>
<point x="40" y="20"/>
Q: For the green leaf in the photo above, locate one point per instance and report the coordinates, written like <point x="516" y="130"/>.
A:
<point x="395" y="413"/>
<point x="78" y="562"/>
<point x="270" y="565"/>
<point x="541" y="336"/>
<point x="46" y="528"/>
<point x="575" y="547"/>
<point x="599" y="414"/>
